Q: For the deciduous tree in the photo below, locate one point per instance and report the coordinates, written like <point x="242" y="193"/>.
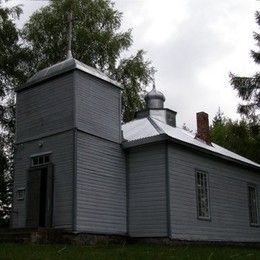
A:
<point x="13" y="68"/>
<point x="96" y="40"/>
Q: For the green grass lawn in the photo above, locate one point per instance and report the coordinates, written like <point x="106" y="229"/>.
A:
<point x="128" y="251"/>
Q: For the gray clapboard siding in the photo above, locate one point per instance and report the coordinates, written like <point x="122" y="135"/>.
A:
<point x="45" y="109"/>
<point x="228" y="198"/>
<point x="98" y="107"/>
<point x="61" y="146"/>
<point x="147" y="191"/>
<point x="101" y="186"/>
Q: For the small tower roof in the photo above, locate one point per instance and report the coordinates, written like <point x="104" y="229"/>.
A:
<point x="154" y="99"/>
<point x="67" y="65"/>
<point x="63" y="67"/>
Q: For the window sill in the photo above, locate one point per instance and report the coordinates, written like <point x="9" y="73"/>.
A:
<point x="204" y="218"/>
<point x="254" y="225"/>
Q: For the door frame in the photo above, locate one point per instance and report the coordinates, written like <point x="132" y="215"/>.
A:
<point x="50" y="169"/>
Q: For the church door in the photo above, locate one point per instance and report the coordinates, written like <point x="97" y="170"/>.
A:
<point x="39" y="197"/>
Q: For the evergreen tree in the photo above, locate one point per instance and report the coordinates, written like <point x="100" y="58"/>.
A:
<point x="236" y="136"/>
<point x="248" y="88"/>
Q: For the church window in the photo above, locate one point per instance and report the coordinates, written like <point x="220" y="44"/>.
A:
<point x="20" y="194"/>
<point x="202" y="189"/>
<point x="252" y="205"/>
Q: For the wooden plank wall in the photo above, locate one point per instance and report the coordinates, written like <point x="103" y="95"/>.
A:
<point x="61" y="148"/>
<point x="101" y="186"/>
<point x="98" y="107"/>
<point x="147" y="205"/>
<point x="228" y="198"/>
<point x="45" y="109"/>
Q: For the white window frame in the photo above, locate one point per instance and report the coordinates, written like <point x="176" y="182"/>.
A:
<point x="252" y="186"/>
<point x="38" y="156"/>
<point x="20" y="193"/>
<point x="202" y="195"/>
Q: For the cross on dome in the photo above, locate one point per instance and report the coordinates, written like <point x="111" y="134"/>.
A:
<point x="70" y="20"/>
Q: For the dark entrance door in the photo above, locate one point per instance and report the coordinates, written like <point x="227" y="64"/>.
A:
<point x="39" y="197"/>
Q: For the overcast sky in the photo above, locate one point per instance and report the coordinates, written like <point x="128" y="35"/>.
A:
<point x="194" y="45"/>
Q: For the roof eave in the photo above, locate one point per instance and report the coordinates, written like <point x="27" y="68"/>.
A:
<point x="43" y="79"/>
<point x="164" y="137"/>
<point x="75" y="65"/>
<point x="97" y="75"/>
<point x="147" y="140"/>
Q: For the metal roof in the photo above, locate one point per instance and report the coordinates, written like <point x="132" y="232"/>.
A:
<point x="65" y="66"/>
<point x="142" y="130"/>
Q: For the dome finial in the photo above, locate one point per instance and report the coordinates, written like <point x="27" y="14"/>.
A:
<point x="154" y="85"/>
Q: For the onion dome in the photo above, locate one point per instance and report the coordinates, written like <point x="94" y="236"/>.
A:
<point x="154" y="99"/>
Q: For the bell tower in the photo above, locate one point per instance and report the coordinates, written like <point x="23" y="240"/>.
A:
<point x="69" y="165"/>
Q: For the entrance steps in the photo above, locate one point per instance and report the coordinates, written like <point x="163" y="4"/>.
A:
<point x="15" y="235"/>
<point x="33" y="235"/>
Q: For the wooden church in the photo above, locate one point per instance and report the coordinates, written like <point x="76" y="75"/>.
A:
<point x="79" y="169"/>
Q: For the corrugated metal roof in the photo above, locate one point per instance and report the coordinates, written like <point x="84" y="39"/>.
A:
<point x="65" y="66"/>
<point x="148" y="127"/>
<point x="138" y="129"/>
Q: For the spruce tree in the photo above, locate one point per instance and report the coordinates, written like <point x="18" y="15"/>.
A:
<point x="248" y="88"/>
<point x="235" y="135"/>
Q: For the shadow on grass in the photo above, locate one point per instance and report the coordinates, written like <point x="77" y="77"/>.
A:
<point x="127" y="251"/>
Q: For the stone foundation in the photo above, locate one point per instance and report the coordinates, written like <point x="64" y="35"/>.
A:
<point x="59" y="236"/>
